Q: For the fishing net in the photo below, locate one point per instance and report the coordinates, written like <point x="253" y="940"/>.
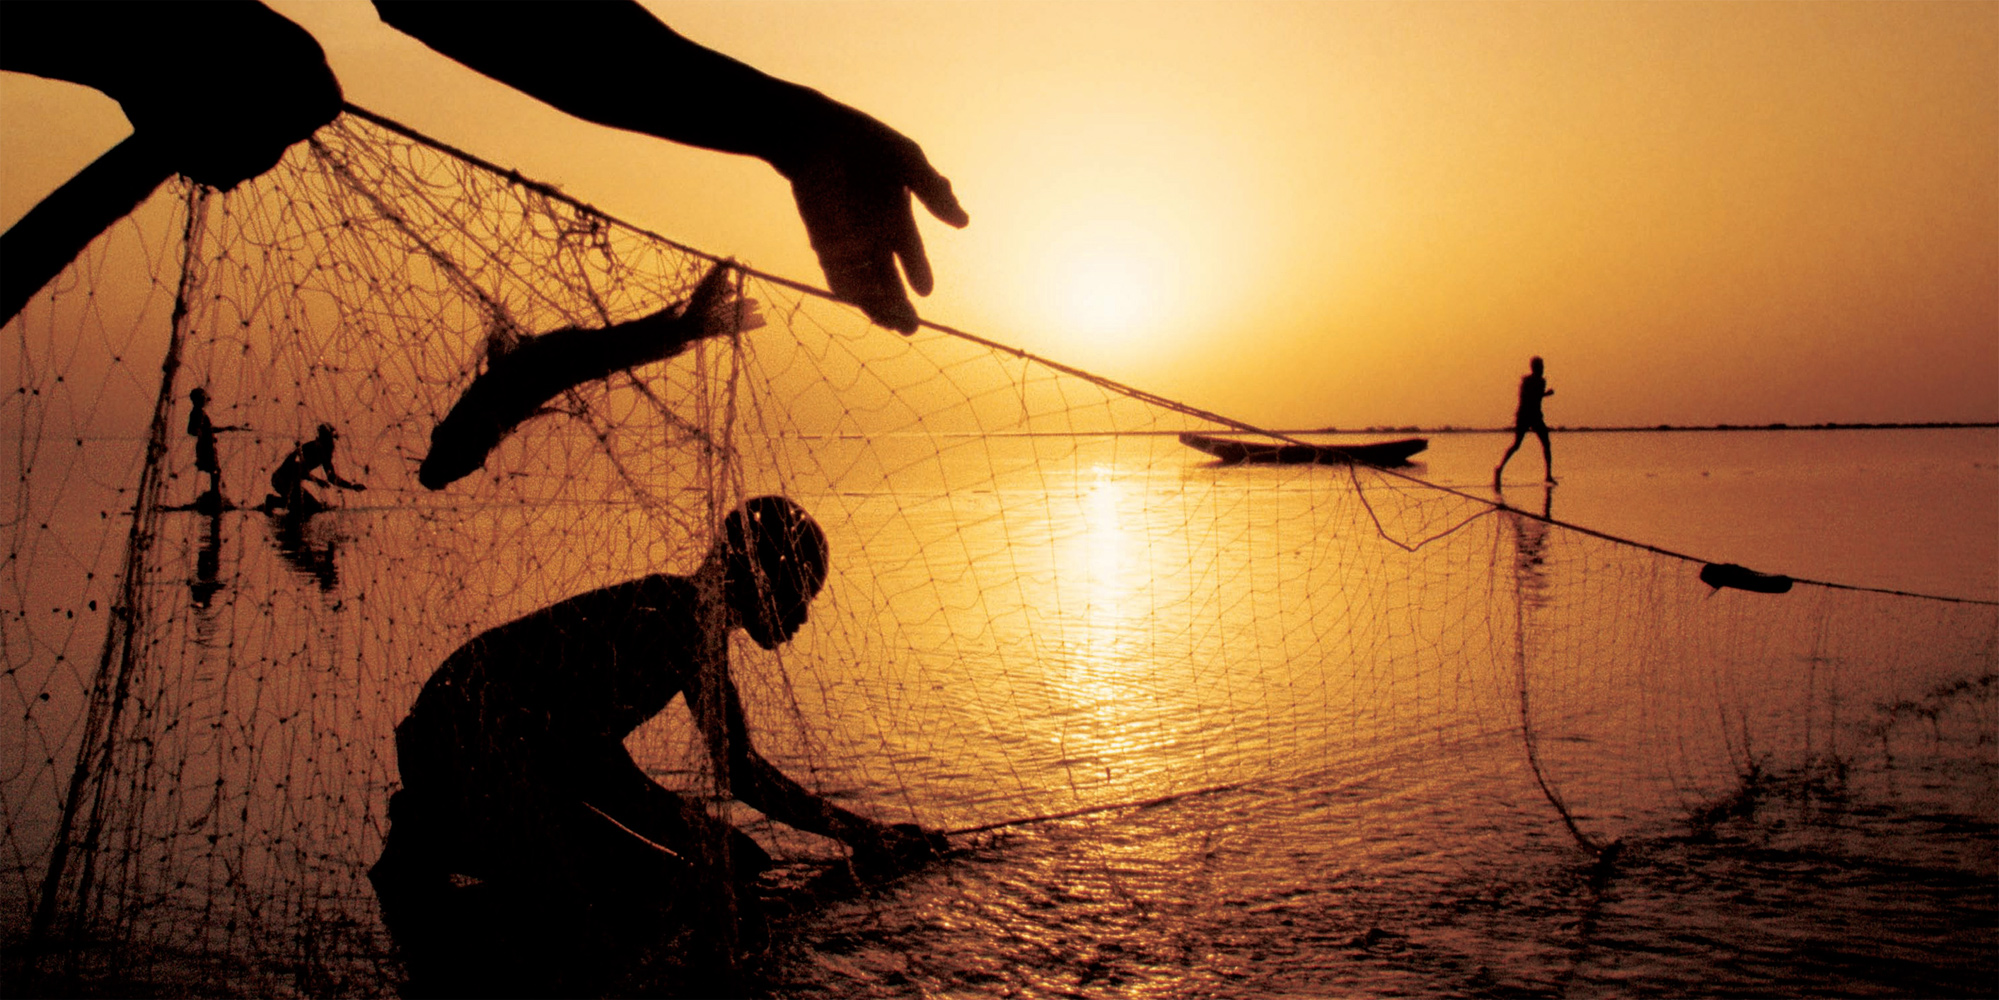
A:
<point x="1042" y="610"/>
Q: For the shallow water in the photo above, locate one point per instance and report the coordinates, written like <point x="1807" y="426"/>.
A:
<point x="1335" y="676"/>
<point x="1801" y="800"/>
<point x="1906" y="509"/>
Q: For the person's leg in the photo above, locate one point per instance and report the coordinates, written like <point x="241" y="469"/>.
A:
<point x="463" y="878"/>
<point x="1547" y="456"/>
<point x="434" y="911"/>
<point x="284" y="487"/>
<point x="682" y="884"/>
<point x="672" y="902"/>
<point x="1519" y="435"/>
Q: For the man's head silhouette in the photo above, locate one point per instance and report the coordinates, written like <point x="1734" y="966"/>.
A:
<point x="776" y="560"/>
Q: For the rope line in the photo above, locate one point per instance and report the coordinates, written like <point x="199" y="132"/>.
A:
<point x="1150" y="803"/>
<point x="1104" y="382"/>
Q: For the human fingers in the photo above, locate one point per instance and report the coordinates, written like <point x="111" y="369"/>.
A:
<point x="869" y="280"/>
<point x="861" y="271"/>
<point x="934" y="191"/>
<point x="749" y="316"/>
<point x="843" y="218"/>
<point x="908" y="248"/>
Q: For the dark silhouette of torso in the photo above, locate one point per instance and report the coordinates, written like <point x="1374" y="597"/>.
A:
<point x="203" y="431"/>
<point x="1533" y="388"/>
<point x="542" y="697"/>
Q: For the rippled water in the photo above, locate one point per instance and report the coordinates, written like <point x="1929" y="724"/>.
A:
<point x="1387" y="835"/>
<point x="1308" y="727"/>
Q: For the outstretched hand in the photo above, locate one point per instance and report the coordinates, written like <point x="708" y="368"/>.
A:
<point x="248" y="84"/>
<point x="852" y="177"/>
<point x="217" y="92"/>
<point x="715" y="308"/>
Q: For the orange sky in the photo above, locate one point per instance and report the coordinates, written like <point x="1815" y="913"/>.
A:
<point x="1353" y="214"/>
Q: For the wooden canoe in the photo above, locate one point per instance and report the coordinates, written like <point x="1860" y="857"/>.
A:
<point x="1231" y="451"/>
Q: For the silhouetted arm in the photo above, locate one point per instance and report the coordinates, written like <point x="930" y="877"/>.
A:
<point x="217" y="91"/>
<point x="332" y="478"/>
<point x="617" y="65"/>
<point x="760" y="785"/>
<point x="214" y="91"/>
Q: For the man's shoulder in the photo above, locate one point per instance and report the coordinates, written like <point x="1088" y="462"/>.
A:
<point x="657" y="589"/>
<point x="648" y="600"/>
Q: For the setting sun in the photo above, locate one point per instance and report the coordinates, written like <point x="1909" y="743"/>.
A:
<point x="1109" y="282"/>
<point x="996" y="498"/>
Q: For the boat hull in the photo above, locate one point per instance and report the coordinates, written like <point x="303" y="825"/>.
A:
<point x="1233" y="452"/>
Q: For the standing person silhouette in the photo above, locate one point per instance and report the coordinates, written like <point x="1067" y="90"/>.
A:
<point x="529" y="854"/>
<point x="203" y="430"/>
<point x="288" y="492"/>
<point x="247" y="84"/>
<point x="1533" y="389"/>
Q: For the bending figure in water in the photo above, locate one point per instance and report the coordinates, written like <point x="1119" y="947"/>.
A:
<point x="288" y="492"/>
<point x="528" y="853"/>
<point x="1533" y="389"/>
<point x="519" y="380"/>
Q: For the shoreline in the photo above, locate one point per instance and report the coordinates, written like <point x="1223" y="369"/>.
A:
<point x="1563" y="429"/>
<point x="1410" y="430"/>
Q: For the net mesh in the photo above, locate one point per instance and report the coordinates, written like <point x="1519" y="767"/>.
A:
<point x="1040" y="603"/>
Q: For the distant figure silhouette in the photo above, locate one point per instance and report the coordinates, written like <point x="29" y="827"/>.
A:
<point x="528" y="853"/>
<point x="203" y="430"/>
<point x="288" y="492"/>
<point x="521" y="378"/>
<point x="246" y="84"/>
<point x="1533" y="388"/>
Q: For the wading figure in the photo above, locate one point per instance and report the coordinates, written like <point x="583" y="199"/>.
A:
<point x="529" y="854"/>
<point x="1533" y="388"/>
<point x="288" y="492"/>
<point x="203" y="430"/>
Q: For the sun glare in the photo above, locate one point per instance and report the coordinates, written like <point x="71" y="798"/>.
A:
<point x="1110" y="283"/>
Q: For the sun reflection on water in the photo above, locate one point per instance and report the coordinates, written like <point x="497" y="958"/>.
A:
<point x="1103" y="683"/>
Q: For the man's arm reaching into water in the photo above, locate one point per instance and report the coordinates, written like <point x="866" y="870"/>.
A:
<point x="759" y="784"/>
<point x="851" y="175"/>
<point x="331" y="478"/>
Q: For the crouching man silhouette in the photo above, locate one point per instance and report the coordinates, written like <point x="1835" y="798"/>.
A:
<point x="530" y="855"/>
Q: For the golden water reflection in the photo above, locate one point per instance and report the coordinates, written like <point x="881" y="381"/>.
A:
<point x="1096" y="612"/>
